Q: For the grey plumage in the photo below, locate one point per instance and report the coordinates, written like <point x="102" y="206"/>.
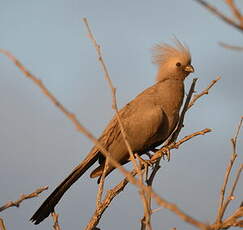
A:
<point x="148" y="120"/>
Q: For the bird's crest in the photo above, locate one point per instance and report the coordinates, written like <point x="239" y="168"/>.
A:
<point x="162" y="53"/>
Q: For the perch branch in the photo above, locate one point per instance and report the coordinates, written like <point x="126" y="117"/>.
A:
<point x="22" y="198"/>
<point x="82" y="129"/>
<point x="118" y="117"/>
<point x="204" y="92"/>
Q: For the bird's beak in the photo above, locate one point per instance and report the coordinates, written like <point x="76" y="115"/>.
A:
<point x="189" y="69"/>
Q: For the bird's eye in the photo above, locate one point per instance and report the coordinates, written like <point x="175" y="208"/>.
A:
<point x="178" y="64"/>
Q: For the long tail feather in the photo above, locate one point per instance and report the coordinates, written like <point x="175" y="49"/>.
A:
<point x="49" y="204"/>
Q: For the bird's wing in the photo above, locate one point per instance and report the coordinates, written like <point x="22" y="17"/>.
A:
<point x="141" y="118"/>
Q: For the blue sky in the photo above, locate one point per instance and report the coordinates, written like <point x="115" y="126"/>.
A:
<point x="39" y="146"/>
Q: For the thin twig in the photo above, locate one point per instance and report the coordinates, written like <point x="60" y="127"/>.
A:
<point x="117" y="189"/>
<point x="188" y="103"/>
<point x="56" y="225"/>
<point x="220" y="15"/>
<point x="176" y="145"/>
<point x="83" y="130"/>
<point x="71" y="116"/>
<point x="222" y="193"/>
<point x="233" y="220"/>
<point x="175" y="134"/>
<point x="2" y="225"/>
<point x="231" y="194"/>
<point x="204" y="92"/>
<point x="22" y="198"/>
<point x="222" y="207"/>
<point x="173" y="137"/>
<point x="114" y="106"/>
<point x="113" y="89"/>
<point x="227" y="46"/>
<point x="110" y="195"/>
<point x="101" y="185"/>
<point x="235" y="11"/>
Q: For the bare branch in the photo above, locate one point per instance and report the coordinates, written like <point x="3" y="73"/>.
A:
<point x="176" y="145"/>
<point x="118" y="188"/>
<point x="178" y="212"/>
<point x="223" y="205"/>
<point x="113" y="90"/>
<point x="231" y="221"/>
<point x="234" y="219"/>
<point x="231" y="194"/>
<point x="56" y="225"/>
<point x="110" y="195"/>
<point x="227" y="46"/>
<point x="22" y="198"/>
<point x="165" y="150"/>
<point x="114" y="106"/>
<point x="175" y="134"/>
<point x="220" y="15"/>
<point x="101" y="185"/>
<point x="2" y="225"/>
<point x="235" y="11"/>
<point x="82" y="129"/>
<point x="204" y="92"/>
<point x="72" y="117"/>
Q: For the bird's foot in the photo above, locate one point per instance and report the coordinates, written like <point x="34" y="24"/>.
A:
<point x="163" y="152"/>
<point x="143" y="162"/>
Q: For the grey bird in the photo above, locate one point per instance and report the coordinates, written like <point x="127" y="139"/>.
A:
<point x="148" y="120"/>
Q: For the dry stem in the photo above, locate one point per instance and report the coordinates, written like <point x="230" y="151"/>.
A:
<point x="224" y="204"/>
<point x="110" y="195"/>
<point x="118" y="117"/>
<point x="101" y="185"/>
<point x="227" y="46"/>
<point x="204" y="92"/>
<point x="118" y="188"/>
<point x="221" y="15"/>
<point x="81" y="129"/>
<point x="235" y="11"/>
<point x="22" y="198"/>
<point x="171" y="142"/>
<point x="2" y="225"/>
<point x="56" y="225"/>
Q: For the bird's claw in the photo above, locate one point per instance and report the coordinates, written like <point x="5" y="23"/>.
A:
<point x="165" y="153"/>
<point x="143" y="162"/>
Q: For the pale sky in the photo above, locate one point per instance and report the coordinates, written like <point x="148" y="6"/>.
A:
<point x="40" y="146"/>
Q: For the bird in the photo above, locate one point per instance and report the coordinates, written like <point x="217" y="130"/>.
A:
<point x="148" y="120"/>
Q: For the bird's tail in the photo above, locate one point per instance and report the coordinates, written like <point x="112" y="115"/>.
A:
<point x="49" y="204"/>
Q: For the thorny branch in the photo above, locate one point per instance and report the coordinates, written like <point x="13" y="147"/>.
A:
<point x="22" y="198"/>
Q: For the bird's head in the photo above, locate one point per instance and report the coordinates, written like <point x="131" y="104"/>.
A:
<point x="172" y="61"/>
